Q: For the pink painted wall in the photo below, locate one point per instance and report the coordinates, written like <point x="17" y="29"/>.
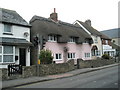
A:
<point x="86" y="48"/>
<point x="78" y="49"/>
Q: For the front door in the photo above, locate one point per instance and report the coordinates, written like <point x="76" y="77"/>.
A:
<point x="22" y="56"/>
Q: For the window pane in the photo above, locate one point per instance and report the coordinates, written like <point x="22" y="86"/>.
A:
<point x="56" y="56"/>
<point x="68" y="55"/>
<point x="8" y="50"/>
<point x="60" y="56"/>
<point x="0" y="58"/>
<point x="73" y="55"/>
<point x="0" y="50"/>
<point x="7" y="28"/>
<point x="7" y="58"/>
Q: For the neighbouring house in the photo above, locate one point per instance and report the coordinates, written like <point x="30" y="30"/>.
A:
<point x="101" y="43"/>
<point x="14" y="39"/>
<point x="114" y="34"/>
<point x="65" y="40"/>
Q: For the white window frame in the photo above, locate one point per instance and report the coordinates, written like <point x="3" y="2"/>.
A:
<point x="55" y="58"/>
<point x="87" y="55"/>
<point x="72" y="55"/>
<point x="2" y="54"/>
<point x="52" y="38"/>
<point x="97" y="52"/>
<point x="72" y="40"/>
<point x="10" y="29"/>
<point x="86" y="41"/>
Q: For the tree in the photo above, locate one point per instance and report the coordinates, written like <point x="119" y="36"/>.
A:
<point x="46" y="56"/>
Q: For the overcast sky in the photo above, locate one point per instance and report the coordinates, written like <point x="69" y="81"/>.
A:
<point x="102" y="13"/>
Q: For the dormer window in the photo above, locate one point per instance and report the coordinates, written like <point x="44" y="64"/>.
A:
<point x="72" y="39"/>
<point x="86" y="41"/>
<point x="52" y="38"/>
<point x="7" y="29"/>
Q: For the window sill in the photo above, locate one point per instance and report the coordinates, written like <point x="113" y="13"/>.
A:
<point x="57" y="59"/>
<point x="52" y="41"/>
<point x="3" y="63"/>
<point x="7" y="33"/>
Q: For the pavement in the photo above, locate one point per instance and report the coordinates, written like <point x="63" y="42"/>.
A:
<point x="24" y="81"/>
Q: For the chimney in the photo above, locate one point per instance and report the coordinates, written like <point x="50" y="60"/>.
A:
<point x="54" y="16"/>
<point x="88" y="22"/>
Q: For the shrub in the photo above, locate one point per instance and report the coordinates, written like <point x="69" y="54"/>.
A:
<point x="106" y="56"/>
<point x="46" y="56"/>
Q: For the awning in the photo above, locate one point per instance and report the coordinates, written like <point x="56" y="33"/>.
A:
<point x="14" y="41"/>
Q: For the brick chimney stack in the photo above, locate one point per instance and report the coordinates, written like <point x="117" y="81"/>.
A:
<point x="54" y="16"/>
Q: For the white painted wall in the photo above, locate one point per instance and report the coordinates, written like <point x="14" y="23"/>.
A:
<point x="1" y="28"/>
<point x="98" y="44"/>
<point x="18" y="32"/>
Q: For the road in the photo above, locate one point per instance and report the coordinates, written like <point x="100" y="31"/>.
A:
<point x="105" y="78"/>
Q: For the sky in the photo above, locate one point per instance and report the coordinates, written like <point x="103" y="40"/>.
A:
<point x="102" y="13"/>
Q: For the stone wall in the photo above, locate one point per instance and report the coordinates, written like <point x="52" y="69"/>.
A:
<point x="49" y="69"/>
<point x="3" y="74"/>
<point x="29" y="71"/>
<point x="45" y="69"/>
<point x="95" y="63"/>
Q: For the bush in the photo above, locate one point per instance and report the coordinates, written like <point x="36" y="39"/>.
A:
<point x="46" y="56"/>
<point x="106" y="56"/>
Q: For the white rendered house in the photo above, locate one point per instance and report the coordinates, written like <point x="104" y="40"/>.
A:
<point x="14" y="39"/>
<point x="98" y="38"/>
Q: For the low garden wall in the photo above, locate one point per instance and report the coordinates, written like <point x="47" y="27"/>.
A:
<point x="44" y="69"/>
<point x="49" y="69"/>
<point x="96" y="63"/>
<point x="27" y="71"/>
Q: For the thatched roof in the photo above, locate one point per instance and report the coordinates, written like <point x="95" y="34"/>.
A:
<point x="10" y="16"/>
<point x="93" y="31"/>
<point x="46" y="26"/>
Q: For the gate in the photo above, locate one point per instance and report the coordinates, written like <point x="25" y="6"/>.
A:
<point x="14" y="69"/>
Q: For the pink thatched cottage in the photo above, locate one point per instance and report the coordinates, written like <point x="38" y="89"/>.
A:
<point x="65" y="40"/>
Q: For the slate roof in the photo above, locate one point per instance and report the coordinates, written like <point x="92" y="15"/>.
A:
<point x="10" y="16"/>
<point x="112" y="33"/>
<point x="14" y="41"/>
<point x="115" y="46"/>
<point x="93" y="30"/>
<point x="46" y="26"/>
